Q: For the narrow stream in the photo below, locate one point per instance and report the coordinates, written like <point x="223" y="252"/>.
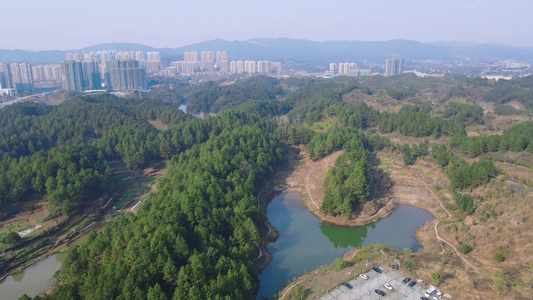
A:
<point x="306" y="243"/>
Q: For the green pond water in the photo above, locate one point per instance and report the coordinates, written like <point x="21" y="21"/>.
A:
<point x="33" y="280"/>
<point x="306" y="243"/>
<point x="40" y="276"/>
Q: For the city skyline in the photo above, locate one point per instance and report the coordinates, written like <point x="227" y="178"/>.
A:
<point x="58" y="24"/>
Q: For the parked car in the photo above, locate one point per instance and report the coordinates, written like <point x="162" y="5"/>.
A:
<point x="398" y="262"/>
<point x="424" y="298"/>
<point x="364" y="276"/>
<point x="394" y="267"/>
<point x="348" y="285"/>
<point x="406" y="280"/>
<point x="388" y="286"/>
<point x="380" y="292"/>
<point x="432" y="290"/>
<point x="377" y="270"/>
<point x="412" y="283"/>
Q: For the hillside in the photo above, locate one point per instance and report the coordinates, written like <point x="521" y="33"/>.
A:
<point x="354" y="147"/>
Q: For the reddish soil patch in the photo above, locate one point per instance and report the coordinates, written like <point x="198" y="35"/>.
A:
<point x="158" y="125"/>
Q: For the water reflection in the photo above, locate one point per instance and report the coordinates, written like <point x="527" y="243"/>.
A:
<point x="306" y="243"/>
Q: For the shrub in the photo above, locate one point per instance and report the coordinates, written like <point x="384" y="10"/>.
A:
<point x="465" y="248"/>
<point x="437" y="277"/>
<point x="340" y="263"/>
<point x="498" y="256"/>
<point x="409" y="265"/>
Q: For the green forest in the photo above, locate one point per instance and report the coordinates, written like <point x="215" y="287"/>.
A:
<point x="196" y="236"/>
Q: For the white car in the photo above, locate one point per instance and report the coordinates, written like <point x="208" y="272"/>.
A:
<point x="388" y="286"/>
<point x="364" y="276"/>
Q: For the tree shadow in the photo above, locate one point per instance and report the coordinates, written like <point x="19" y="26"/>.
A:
<point x="380" y="183"/>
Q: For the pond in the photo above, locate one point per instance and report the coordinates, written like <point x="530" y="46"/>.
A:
<point x="306" y="243"/>
<point x="33" y="280"/>
<point x="40" y="276"/>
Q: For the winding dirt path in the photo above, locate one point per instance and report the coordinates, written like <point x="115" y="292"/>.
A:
<point x="307" y="189"/>
<point x="439" y="238"/>
<point x="259" y="243"/>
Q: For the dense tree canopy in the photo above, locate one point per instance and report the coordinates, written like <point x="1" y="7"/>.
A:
<point x="61" y="152"/>
<point x="194" y="238"/>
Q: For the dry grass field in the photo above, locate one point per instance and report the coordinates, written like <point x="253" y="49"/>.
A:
<point x="501" y="223"/>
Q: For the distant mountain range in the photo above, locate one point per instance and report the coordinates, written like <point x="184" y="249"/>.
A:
<point x="301" y="51"/>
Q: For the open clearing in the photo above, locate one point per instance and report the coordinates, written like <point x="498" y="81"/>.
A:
<point x="501" y="223"/>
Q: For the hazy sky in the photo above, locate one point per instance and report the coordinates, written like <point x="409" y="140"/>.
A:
<point x="73" y="24"/>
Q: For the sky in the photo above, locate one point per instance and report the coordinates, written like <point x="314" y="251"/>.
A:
<point x="71" y="24"/>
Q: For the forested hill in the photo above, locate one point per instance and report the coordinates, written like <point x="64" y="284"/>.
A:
<point x="61" y="153"/>
<point x="196" y="236"/>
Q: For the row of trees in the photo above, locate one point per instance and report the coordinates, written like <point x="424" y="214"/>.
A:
<point x="516" y="139"/>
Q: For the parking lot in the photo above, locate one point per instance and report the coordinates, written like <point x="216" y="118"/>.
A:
<point x="364" y="288"/>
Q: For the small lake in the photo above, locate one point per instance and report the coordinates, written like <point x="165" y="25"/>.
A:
<point x="33" y="280"/>
<point x="40" y="276"/>
<point x="306" y="243"/>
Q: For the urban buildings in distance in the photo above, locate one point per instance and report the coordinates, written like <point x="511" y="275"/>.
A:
<point x="119" y="71"/>
<point x="210" y="63"/>
<point x="16" y="77"/>
<point x="347" y="69"/>
<point x="126" y="75"/>
<point x="123" y="71"/>
<point x="393" y="66"/>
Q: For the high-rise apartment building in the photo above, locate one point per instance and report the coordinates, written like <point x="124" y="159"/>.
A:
<point x="237" y="67"/>
<point x="393" y="66"/>
<point x="153" y="62"/>
<point x="75" y="56"/>
<point x="126" y="75"/>
<point x="276" y="67"/>
<point x="264" y="67"/>
<point x="347" y="68"/>
<point x="249" y="67"/>
<point x="139" y="55"/>
<point x="72" y="75"/>
<point x="5" y="76"/>
<point x="21" y="77"/>
<point x="46" y="73"/>
<point x="190" y="63"/>
<point x="333" y="67"/>
<point x="38" y="73"/>
<point x="177" y="66"/>
<point x="125" y="55"/>
<point x="222" y="61"/>
<point x="80" y="75"/>
<point x="207" y="62"/>
<point x="190" y="56"/>
<point x="92" y="79"/>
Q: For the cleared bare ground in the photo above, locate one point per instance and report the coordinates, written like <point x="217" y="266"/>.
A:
<point x="502" y="222"/>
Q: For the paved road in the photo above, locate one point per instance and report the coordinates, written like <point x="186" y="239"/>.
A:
<point x="510" y="182"/>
